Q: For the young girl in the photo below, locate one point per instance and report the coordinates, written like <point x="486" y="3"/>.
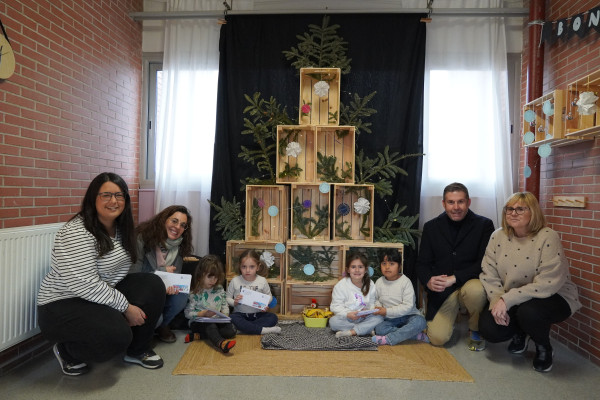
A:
<point x="396" y="304"/>
<point x="248" y="319"/>
<point x="207" y="294"/>
<point x="354" y="293"/>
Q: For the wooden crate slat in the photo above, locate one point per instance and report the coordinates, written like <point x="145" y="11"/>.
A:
<point x="235" y="248"/>
<point x="337" y="142"/>
<point x="260" y="225"/>
<point x="325" y="257"/>
<point x="349" y="225"/>
<point x="322" y="109"/>
<point x="304" y="135"/>
<point x="298" y="296"/>
<point x="307" y="198"/>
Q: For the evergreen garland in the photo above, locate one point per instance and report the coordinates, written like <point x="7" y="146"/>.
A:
<point x="229" y="219"/>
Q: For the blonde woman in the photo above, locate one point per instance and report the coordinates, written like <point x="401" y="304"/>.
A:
<point x="526" y="278"/>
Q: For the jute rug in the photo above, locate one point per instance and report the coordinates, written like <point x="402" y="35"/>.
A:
<point x="412" y="360"/>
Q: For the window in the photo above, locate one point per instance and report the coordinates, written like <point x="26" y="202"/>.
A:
<point x="152" y="71"/>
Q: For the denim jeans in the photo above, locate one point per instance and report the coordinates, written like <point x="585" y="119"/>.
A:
<point x="362" y="326"/>
<point x="174" y="304"/>
<point x="397" y="330"/>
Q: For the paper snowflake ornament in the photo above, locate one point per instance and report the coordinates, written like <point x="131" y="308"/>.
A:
<point x="321" y="88"/>
<point x="268" y="258"/>
<point x="293" y="149"/>
<point x="362" y="206"/>
<point x="587" y="103"/>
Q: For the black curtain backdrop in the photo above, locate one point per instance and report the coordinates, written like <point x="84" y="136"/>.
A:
<point x="388" y="56"/>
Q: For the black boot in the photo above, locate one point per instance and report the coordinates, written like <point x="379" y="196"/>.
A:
<point x="543" y="358"/>
<point x="518" y="343"/>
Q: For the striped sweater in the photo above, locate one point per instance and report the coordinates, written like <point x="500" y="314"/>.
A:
<point x="76" y="271"/>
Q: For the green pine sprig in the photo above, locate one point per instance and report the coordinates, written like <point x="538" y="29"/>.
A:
<point x="229" y="219"/>
<point x="398" y="228"/>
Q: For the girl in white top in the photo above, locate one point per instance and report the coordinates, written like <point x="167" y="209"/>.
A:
<point x="351" y="295"/>
<point x="248" y="319"/>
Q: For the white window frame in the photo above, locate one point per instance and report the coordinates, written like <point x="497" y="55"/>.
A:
<point x="152" y="63"/>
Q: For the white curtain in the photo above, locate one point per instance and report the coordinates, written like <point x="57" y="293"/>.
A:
<point x="186" y="116"/>
<point x="466" y="117"/>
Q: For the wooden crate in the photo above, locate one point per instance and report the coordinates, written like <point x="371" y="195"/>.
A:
<point x="350" y="225"/>
<point x="335" y="153"/>
<point x="267" y="213"/>
<point x="548" y="112"/>
<point x="236" y="247"/>
<point x="277" y="291"/>
<point x="309" y="261"/>
<point x="300" y="168"/>
<point x="299" y="295"/>
<point x="576" y="124"/>
<point x="323" y="110"/>
<point x="373" y="252"/>
<point x="310" y="212"/>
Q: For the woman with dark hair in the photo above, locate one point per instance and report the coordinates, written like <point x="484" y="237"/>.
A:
<point x="87" y="304"/>
<point x="162" y="243"/>
<point x="526" y="278"/>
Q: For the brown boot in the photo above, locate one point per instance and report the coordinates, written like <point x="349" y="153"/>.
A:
<point x="165" y="334"/>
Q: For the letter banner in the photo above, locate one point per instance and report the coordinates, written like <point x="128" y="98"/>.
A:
<point x="566" y="28"/>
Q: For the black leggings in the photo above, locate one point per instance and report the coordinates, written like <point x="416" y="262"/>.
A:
<point x="533" y="317"/>
<point x="213" y="332"/>
<point x="95" y="332"/>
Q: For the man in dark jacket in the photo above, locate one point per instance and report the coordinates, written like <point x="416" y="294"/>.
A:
<point x="449" y="263"/>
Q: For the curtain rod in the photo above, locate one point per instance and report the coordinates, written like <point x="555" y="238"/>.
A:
<point x="446" y="12"/>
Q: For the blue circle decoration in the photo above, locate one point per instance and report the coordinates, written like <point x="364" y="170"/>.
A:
<point x="280" y="248"/>
<point x="371" y="271"/>
<point x="273" y="211"/>
<point x="527" y="171"/>
<point x="529" y="116"/>
<point x="324" y="187"/>
<point x="548" y="108"/>
<point x="544" y="150"/>
<point x="309" y="269"/>
<point x="343" y="209"/>
<point x="528" y="138"/>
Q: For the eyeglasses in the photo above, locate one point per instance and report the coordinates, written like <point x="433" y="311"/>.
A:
<point x="519" y="210"/>
<point x="175" y="222"/>
<point x="106" y="196"/>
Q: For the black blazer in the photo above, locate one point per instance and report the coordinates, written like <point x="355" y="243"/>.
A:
<point x="441" y="253"/>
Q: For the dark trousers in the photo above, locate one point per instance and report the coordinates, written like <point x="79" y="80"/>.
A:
<point x="95" y="332"/>
<point x="213" y="332"/>
<point x="533" y="317"/>
<point x="253" y="323"/>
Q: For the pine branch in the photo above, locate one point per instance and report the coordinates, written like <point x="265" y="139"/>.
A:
<point x="398" y="229"/>
<point x="352" y="115"/>
<point x="229" y="219"/>
<point x="321" y="48"/>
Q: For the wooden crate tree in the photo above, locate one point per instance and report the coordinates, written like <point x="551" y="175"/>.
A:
<point x="310" y="212"/>
<point x="266" y="250"/>
<point x="313" y="262"/>
<point x="319" y="96"/>
<point x="296" y="160"/>
<point x="298" y="296"/>
<point x="353" y="212"/>
<point x="373" y="253"/>
<point x="543" y="118"/>
<point x="335" y="153"/>
<point x="267" y="213"/>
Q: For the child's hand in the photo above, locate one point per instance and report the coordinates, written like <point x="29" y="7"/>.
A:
<point x="352" y="315"/>
<point x="380" y="311"/>
<point x="207" y="313"/>
<point x="237" y="299"/>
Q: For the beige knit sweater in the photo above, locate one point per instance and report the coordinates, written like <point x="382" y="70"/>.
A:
<point x="519" y="269"/>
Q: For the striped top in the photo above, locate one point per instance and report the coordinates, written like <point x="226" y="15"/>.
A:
<point x="76" y="271"/>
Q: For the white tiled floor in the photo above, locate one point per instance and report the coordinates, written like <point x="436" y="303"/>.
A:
<point x="497" y="374"/>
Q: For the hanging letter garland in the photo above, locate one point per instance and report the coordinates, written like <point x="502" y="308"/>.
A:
<point x="566" y="28"/>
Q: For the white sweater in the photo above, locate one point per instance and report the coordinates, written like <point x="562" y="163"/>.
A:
<point x="260" y="285"/>
<point x="347" y="297"/>
<point x="398" y="297"/>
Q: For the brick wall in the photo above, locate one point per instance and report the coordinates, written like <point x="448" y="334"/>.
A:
<point x="573" y="170"/>
<point x="72" y="108"/>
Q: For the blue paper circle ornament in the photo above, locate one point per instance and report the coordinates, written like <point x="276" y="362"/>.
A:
<point x="528" y="138"/>
<point x="371" y="271"/>
<point x="544" y="150"/>
<point x="548" y="108"/>
<point x="273" y="302"/>
<point x="280" y="248"/>
<point x="309" y="269"/>
<point x="273" y="211"/>
<point x="527" y="171"/>
<point x="529" y="116"/>
<point x="324" y="187"/>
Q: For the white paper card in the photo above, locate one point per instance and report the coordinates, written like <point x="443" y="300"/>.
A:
<point x="365" y="312"/>
<point x="181" y="281"/>
<point x="254" y="299"/>
<point x="219" y="317"/>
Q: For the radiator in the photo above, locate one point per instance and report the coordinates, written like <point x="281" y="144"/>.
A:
<point x="24" y="261"/>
